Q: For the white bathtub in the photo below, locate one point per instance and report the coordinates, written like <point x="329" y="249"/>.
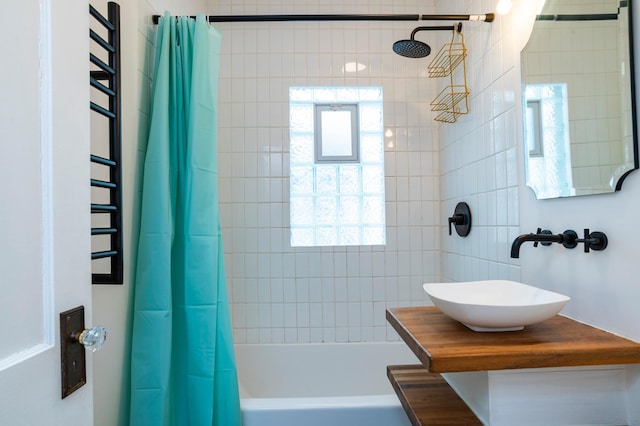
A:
<point x="320" y="384"/>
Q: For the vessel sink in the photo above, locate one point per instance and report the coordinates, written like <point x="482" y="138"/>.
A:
<point x="495" y="305"/>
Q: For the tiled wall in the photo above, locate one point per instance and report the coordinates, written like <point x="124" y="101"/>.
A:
<point x="479" y="155"/>
<point x="284" y="294"/>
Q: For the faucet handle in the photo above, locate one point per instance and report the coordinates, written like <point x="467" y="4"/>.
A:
<point x="456" y="219"/>
<point x="593" y="240"/>
<point x="545" y="232"/>
<point x="461" y="219"/>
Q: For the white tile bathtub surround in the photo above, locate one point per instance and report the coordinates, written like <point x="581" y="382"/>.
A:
<point x="281" y="294"/>
<point x="479" y="156"/>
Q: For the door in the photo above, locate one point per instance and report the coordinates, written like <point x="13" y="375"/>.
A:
<point x="44" y="205"/>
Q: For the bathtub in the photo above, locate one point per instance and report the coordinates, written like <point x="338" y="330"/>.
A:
<point x="320" y="384"/>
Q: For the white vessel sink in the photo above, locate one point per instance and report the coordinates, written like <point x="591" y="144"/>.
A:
<point x="495" y="305"/>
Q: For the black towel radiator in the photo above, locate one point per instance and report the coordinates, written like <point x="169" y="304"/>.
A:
<point x="105" y="79"/>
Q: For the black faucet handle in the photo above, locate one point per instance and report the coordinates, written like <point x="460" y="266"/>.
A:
<point x="538" y="231"/>
<point x="461" y="219"/>
<point x="544" y="232"/>
<point x="593" y="240"/>
<point x="456" y="219"/>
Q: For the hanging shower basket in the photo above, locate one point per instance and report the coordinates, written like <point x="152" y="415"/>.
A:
<point x="453" y="99"/>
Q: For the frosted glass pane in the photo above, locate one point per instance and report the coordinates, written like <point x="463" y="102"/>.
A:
<point x="350" y="180"/>
<point x="301" y="118"/>
<point x="349" y="236"/>
<point x="347" y="94"/>
<point x="326" y="210"/>
<point x="551" y="91"/>
<point x="326" y="181"/>
<point x="336" y="133"/>
<point x="371" y="94"/>
<point x="372" y="148"/>
<point x="321" y="94"/>
<point x="550" y="110"/>
<point x="370" y="117"/>
<point x="373" y="235"/>
<point x="302" y="211"/>
<point x="301" y="94"/>
<point x="372" y="179"/>
<point x="301" y="181"/>
<point x="349" y="210"/>
<point x="302" y="237"/>
<point x="301" y="149"/>
<point x="373" y="210"/>
<point x="326" y="236"/>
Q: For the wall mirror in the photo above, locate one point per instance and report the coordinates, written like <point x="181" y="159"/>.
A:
<point x="578" y="99"/>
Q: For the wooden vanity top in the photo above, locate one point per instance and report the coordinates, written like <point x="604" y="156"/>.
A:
<point x="444" y="345"/>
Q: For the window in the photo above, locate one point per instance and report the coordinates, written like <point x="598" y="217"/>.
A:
<point x="336" y="166"/>
<point x="548" y="140"/>
<point x="336" y="133"/>
<point x="533" y="132"/>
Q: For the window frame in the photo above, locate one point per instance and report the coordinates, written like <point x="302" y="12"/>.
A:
<point x="319" y="157"/>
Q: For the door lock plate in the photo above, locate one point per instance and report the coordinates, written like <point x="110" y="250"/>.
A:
<point x="73" y="357"/>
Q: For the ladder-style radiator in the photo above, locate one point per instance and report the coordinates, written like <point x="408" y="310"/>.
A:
<point x="106" y="158"/>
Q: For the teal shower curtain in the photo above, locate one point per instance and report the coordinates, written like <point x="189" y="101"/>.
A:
<point x="182" y="363"/>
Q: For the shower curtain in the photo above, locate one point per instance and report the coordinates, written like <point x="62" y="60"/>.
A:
<point x="182" y="363"/>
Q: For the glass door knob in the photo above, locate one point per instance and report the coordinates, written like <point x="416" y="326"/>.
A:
<point x="92" y="338"/>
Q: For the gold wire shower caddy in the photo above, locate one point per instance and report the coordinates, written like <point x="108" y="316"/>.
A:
<point x="453" y="100"/>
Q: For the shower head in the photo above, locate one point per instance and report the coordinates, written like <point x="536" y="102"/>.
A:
<point x="413" y="48"/>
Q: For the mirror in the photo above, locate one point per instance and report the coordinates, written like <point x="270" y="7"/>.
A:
<point x="578" y="99"/>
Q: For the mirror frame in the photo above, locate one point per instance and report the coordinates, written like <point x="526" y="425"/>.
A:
<point x="633" y="109"/>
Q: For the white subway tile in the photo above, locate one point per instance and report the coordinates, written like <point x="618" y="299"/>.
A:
<point x="327" y="286"/>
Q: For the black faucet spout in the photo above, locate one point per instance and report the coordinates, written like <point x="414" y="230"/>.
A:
<point x="538" y="237"/>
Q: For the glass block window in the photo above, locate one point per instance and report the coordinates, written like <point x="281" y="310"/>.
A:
<point x="337" y="203"/>
<point x="548" y="139"/>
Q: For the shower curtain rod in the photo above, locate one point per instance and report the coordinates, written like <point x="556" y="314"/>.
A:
<point x="592" y="17"/>
<point x="487" y="17"/>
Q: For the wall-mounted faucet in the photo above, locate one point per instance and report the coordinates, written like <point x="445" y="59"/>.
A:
<point x="569" y="239"/>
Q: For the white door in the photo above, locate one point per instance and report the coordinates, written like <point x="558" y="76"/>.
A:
<point x="44" y="205"/>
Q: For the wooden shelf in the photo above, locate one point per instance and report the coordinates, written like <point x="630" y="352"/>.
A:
<point x="427" y="398"/>
<point x="444" y="345"/>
